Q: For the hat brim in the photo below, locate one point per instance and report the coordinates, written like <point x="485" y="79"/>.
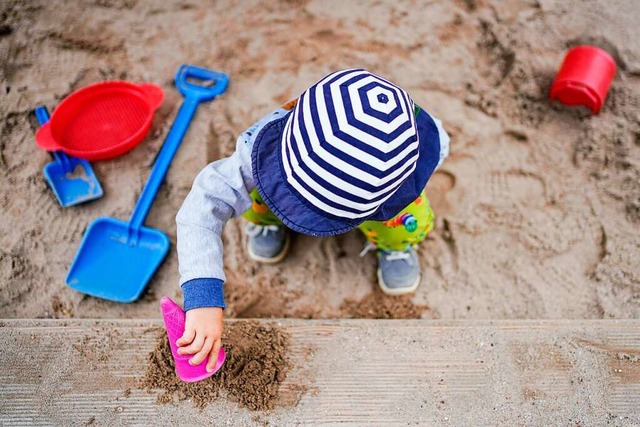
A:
<point x="301" y="216"/>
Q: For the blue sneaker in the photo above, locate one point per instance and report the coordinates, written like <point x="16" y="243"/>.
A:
<point x="268" y="244"/>
<point x="398" y="271"/>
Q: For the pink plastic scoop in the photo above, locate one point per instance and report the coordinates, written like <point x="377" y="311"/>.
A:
<point x="174" y="319"/>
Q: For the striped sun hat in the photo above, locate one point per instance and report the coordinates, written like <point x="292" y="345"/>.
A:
<point x="354" y="148"/>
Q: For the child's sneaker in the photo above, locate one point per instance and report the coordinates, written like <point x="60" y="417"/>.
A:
<point x="398" y="271"/>
<point x="267" y="243"/>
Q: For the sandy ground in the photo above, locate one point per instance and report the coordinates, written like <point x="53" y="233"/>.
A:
<point x="538" y="206"/>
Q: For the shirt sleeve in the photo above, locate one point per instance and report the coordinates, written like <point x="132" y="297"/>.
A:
<point x="220" y="192"/>
<point x="444" y="141"/>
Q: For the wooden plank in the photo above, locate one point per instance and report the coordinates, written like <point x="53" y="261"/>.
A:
<point x="362" y="372"/>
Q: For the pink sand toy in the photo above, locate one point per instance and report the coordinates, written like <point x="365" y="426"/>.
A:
<point x="174" y="319"/>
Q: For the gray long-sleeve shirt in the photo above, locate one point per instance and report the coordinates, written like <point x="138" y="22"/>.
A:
<point x="220" y="192"/>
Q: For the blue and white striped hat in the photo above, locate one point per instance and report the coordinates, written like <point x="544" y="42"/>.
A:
<point x="354" y="148"/>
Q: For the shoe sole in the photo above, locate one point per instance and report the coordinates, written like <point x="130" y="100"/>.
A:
<point x="397" y="291"/>
<point x="283" y="253"/>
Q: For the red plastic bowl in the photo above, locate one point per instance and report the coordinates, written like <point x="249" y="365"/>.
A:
<point x="102" y="120"/>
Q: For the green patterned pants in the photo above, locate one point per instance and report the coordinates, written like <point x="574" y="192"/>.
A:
<point x="406" y="229"/>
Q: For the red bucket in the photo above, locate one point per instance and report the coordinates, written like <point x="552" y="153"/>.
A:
<point x="584" y="77"/>
<point x="102" y="120"/>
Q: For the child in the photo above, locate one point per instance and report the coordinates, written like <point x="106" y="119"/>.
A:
<point x="352" y="151"/>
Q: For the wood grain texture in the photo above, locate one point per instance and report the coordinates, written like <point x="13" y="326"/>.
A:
<point x="346" y="372"/>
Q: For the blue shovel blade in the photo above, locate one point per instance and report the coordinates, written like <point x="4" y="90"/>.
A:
<point x="75" y="187"/>
<point x="110" y="265"/>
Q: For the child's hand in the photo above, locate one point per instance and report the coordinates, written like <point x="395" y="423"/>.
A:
<point x="202" y="335"/>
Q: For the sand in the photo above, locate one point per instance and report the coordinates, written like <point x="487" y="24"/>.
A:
<point x="377" y="305"/>
<point x="538" y="205"/>
<point x="255" y="366"/>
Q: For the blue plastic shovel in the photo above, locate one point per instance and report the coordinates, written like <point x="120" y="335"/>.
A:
<point x="72" y="180"/>
<point x="116" y="259"/>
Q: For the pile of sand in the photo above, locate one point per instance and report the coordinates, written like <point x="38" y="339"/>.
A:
<point x="255" y="366"/>
<point x="377" y="305"/>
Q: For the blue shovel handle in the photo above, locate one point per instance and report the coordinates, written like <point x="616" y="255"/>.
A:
<point x="43" y="117"/>
<point x="197" y="92"/>
<point x="194" y="95"/>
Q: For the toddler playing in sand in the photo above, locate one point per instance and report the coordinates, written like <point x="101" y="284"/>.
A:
<point x="353" y="151"/>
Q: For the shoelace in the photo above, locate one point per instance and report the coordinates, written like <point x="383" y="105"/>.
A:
<point x="398" y="255"/>
<point x="369" y="246"/>
<point x="392" y="255"/>
<point x="254" y="230"/>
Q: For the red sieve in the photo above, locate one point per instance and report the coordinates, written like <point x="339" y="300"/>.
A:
<point x="102" y="120"/>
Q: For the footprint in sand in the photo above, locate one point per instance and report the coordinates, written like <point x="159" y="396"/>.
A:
<point x="437" y="189"/>
<point x="516" y="186"/>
